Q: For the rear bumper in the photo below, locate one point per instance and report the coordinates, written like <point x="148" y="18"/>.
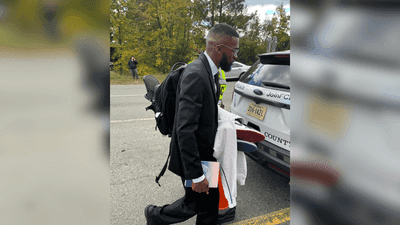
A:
<point x="272" y="157"/>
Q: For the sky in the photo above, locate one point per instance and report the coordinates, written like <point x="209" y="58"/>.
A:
<point x="266" y="8"/>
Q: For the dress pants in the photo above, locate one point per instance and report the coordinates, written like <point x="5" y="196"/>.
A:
<point x="204" y="205"/>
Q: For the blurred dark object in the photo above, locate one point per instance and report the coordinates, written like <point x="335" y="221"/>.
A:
<point x="94" y="60"/>
<point x="49" y="15"/>
<point x="55" y="97"/>
<point x="345" y="83"/>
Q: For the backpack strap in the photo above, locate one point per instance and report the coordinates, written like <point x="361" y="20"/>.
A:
<point x="177" y="64"/>
<point x="163" y="170"/>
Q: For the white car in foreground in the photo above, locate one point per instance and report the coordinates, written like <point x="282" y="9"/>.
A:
<point x="262" y="98"/>
<point x="237" y="70"/>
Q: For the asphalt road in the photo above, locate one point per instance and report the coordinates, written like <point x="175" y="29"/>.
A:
<point x="138" y="152"/>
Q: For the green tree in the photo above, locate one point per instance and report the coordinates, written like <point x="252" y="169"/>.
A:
<point x="209" y="12"/>
<point x="156" y="32"/>
<point x="279" y="27"/>
<point x="118" y="33"/>
<point x="234" y="13"/>
<point x="251" y="44"/>
<point x="163" y="33"/>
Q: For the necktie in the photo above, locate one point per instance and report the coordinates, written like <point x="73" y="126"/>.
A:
<point x="216" y="78"/>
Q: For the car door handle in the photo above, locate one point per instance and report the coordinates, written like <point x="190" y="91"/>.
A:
<point x="257" y="92"/>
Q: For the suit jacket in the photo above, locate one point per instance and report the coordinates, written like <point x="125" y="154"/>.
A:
<point x="196" y="120"/>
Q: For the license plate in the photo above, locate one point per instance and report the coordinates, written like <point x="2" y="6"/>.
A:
<point x="256" y="111"/>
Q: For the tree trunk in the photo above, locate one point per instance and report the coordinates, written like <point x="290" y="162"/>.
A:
<point x="220" y="11"/>
<point x="120" y="43"/>
<point x="212" y="13"/>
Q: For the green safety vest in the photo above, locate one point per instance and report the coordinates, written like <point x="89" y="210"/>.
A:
<point x="222" y="82"/>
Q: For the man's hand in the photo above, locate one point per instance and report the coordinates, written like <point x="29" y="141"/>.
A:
<point x="200" y="187"/>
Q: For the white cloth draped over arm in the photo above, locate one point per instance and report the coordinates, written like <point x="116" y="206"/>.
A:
<point x="232" y="162"/>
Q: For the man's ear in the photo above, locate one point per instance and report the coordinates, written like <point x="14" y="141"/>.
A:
<point x="218" y="49"/>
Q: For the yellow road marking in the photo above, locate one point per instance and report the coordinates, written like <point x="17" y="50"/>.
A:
<point x="273" y="218"/>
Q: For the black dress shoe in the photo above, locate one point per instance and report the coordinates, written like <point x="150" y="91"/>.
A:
<point x="227" y="216"/>
<point x="147" y="211"/>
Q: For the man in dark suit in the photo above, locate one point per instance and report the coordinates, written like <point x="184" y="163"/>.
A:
<point x="195" y="126"/>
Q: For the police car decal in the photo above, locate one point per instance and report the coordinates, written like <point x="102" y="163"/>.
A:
<point x="267" y="93"/>
<point x="278" y="138"/>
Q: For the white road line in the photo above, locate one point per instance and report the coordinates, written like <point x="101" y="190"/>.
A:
<point x="130" y="120"/>
<point x="125" y="96"/>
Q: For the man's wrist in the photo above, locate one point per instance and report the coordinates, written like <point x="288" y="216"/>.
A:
<point x="200" y="179"/>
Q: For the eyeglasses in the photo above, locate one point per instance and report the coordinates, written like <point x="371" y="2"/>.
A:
<point x="234" y="50"/>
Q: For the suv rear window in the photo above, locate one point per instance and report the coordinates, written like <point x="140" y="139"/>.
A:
<point x="268" y="75"/>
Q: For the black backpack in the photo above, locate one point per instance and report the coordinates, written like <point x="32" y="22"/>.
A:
<point x="162" y="97"/>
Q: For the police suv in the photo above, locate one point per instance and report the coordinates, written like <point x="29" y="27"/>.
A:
<point x="262" y="98"/>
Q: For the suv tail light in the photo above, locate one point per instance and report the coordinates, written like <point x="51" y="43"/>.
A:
<point x="276" y="59"/>
<point x="282" y="56"/>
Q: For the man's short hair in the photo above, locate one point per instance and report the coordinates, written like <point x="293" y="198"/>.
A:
<point x="223" y="29"/>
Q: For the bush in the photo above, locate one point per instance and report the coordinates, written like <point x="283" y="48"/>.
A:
<point x="144" y="70"/>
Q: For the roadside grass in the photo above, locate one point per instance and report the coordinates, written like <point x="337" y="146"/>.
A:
<point x="126" y="78"/>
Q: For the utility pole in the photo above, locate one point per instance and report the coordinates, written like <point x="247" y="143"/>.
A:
<point x="272" y="42"/>
<point x="269" y="43"/>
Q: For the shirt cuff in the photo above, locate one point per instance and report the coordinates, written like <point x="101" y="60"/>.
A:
<point x="199" y="179"/>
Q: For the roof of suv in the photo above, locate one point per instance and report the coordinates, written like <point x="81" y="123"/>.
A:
<point x="278" y="58"/>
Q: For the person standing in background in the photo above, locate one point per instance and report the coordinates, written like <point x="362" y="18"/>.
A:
<point x="132" y="66"/>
